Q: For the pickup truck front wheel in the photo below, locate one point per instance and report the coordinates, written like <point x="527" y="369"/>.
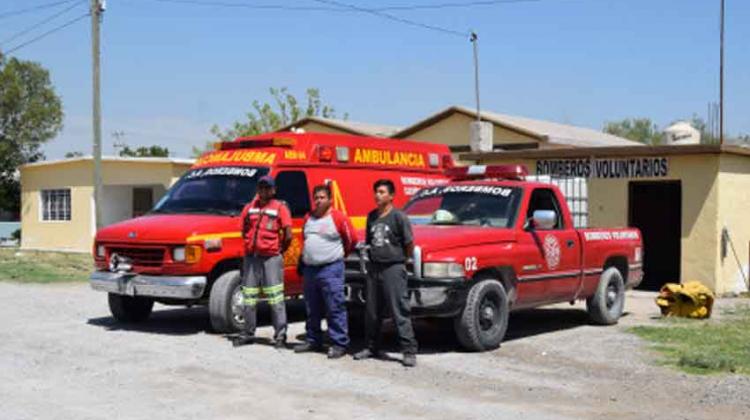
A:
<point x="607" y="304"/>
<point x="484" y="320"/>
<point x="130" y="309"/>
<point x="225" y="303"/>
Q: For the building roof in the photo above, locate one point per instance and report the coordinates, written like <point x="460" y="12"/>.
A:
<point x="178" y="161"/>
<point x="597" y="152"/>
<point x="350" y="127"/>
<point x="546" y="131"/>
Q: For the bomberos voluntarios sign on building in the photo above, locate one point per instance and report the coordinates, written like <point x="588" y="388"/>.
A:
<point x="649" y="167"/>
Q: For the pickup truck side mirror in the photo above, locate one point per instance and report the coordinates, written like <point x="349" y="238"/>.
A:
<point x="544" y="219"/>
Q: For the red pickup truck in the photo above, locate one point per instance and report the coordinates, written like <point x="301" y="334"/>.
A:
<point x="490" y="243"/>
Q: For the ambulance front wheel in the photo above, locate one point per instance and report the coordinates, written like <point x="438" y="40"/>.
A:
<point x="225" y="303"/>
<point x="130" y="309"/>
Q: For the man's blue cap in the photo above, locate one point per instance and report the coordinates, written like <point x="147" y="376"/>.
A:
<point x="267" y="180"/>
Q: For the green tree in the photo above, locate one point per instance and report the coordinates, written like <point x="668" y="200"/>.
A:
<point x="30" y="115"/>
<point x="265" y="117"/>
<point x="151" y="151"/>
<point x="642" y="130"/>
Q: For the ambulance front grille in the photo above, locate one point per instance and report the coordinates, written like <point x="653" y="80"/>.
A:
<point x="140" y="257"/>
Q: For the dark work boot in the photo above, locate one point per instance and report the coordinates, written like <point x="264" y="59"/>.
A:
<point x="410" y="360"/>
<point x="307" y="348"/>
<point x="280" y="342"/>
<point x="336" y="352"/>
<point x="243" y="339"/>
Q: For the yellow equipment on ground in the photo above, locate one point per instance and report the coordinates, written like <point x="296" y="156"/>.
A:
<point x="690" y="300"/>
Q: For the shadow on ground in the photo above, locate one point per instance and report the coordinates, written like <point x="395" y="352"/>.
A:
<point x="433" y="335"/>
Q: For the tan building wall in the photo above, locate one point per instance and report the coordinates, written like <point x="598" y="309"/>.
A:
<point x="77" y="233"/>
<point x="734" y="210"/>
<point x="454" y="131"/>
<point x="714" y="195"/>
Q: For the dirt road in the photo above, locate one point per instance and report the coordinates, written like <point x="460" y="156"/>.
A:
<point x="63" y="357"/>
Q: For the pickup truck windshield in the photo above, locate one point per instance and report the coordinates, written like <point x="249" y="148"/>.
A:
<point x="473" y="205"/>
<point x="217" y="190"/>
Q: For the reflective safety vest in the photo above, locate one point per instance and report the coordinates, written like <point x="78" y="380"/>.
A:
<point x="262" y="226"/>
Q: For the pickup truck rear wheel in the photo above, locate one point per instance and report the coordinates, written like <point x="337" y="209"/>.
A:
<point x="607" y="304"/>
<point x="484" y="320"/>
<point x="131" y="309"/>
<point x="225" y="303"/>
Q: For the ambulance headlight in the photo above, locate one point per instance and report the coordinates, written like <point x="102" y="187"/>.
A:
<point x="190" y="254"/>
<point x="442" y="270"/>
<point x="178" y="254"/>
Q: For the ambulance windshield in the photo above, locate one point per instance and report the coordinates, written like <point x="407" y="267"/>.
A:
<point x="217" y="190"/>
<point x="465" y="205"/>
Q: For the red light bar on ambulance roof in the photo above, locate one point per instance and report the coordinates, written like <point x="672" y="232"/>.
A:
<point x="246" y="143"/>
<point x="515" y="172"/>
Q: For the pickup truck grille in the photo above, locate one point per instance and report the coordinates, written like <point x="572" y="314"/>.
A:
<point x="352" y="267"/>
<point x="141" y="257"/>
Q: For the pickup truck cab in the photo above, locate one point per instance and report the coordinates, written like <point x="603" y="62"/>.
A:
<point x="490" y="242"/>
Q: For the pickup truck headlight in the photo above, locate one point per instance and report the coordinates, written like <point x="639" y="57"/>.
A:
<point x="189" y="254"/>
<point x="100" y="251"/>
<point x="442" y="270"/>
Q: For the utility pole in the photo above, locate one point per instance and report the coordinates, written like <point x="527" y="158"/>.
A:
<point x="97" y="8"/>
<point x="474" y="40"/>
<point x="721" y="79"/>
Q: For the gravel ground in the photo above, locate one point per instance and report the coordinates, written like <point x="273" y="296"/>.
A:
<point x="62" y="356"/>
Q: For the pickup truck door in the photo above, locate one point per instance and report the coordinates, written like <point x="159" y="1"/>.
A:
<point x="551" y="270"/>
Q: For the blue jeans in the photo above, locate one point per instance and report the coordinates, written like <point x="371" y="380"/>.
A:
<point x="324" y="295"/>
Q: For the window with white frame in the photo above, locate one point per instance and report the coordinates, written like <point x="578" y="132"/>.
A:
<point x="56" y="205"/>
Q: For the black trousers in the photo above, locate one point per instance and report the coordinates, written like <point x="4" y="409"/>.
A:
<point x="386" y="290"/>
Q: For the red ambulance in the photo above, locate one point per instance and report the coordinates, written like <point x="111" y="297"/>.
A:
<point x="187" y="250"/>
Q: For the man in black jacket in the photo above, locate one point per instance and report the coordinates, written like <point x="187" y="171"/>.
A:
<point x="390" y="242"/>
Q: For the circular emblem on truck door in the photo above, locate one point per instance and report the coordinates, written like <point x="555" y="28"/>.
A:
<point x="552" y="251"/>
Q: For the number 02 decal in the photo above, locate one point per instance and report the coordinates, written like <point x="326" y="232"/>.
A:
<point x="470" y="263"/>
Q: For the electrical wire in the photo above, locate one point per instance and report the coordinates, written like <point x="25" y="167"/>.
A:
<point x="44" y="35"/>
<point x="35" y="8"/>
<point x="452" y="5"/>
<point x="40" y="23"/>
<point x="391" y="17"/>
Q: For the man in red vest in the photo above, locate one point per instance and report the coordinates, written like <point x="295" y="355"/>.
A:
<point x="267" y="233"/>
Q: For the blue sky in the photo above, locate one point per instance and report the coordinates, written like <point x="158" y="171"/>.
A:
<point x="170" y="71"/>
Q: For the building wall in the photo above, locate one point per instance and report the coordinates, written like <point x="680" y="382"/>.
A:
<point x="454" y="131"/>
<point x="734" y="210"/>
<point x="700" y="243"/>
<point x="73" y="235"/>
<point x="77" y="234"/>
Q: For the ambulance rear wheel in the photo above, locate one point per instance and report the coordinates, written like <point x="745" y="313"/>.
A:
<point x="225" y="303"/>
<point x="130" y="309"/>
<point x="484" y="320"/>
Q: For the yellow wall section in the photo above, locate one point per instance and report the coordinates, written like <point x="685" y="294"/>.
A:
<point x="734" y="205"/>
<point x="455" y="131"/>
<point x="72" y="235"/>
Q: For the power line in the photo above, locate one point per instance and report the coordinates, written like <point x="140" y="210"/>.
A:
<point x="346" y="8"/>
<point x="396" y="18"/>
<point x="248" y="6"/>
<point x="40" y="23"/>
<point x="44" y="35"/>
<point x="35" y="8"/>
